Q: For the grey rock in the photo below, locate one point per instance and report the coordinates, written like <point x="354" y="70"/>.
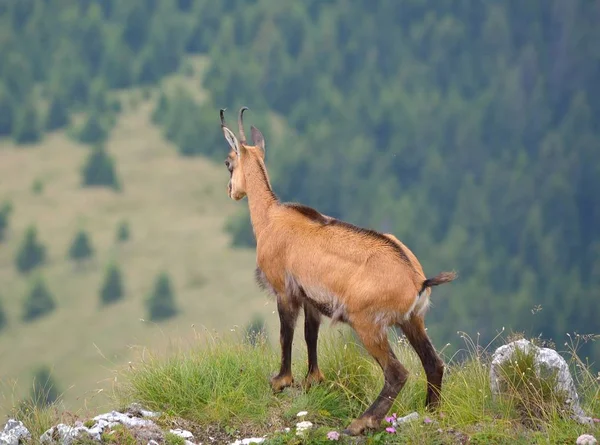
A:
<point x="14" y="432"/>
<point x="128" y="420"/>
<point x="65" y="434"/>
<point x="137" y="410"/>
<point x="547" y="361"/>
<point x="183" y="433"/>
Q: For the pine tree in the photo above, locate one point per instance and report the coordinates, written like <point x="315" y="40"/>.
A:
<point x="5" y="211"/>
<point x="112" y="288"/>
<point x="81" y="247"/>
<point x="117" y="67"/>
<point x="38" y="302"/>
<point x="26" y="128"/>
<point x="99" y="170"/>
<point x="58" y="114"/>
<point x="239" y="227"/>
<point x="7" y="112"/>
<point x="3" y="318"/>
<point x="161" y="303"/>
<point x="123" y="232"/>
<point x="32" y="253"/>
<point x="44" y="391"/>
<point x="147" y="71"/>
<point x="161" y="109"/>
<point x="256" y="331"/>
<point x="94" y="130"/>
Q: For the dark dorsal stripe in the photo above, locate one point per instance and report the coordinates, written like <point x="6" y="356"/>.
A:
<point x="319" y="218"/>
<point x="309" y="212"/>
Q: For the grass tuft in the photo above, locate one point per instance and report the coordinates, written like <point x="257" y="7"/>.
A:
<point x="217" y="382"/>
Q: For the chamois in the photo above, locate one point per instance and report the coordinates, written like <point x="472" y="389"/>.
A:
<point x="329" y="267"/>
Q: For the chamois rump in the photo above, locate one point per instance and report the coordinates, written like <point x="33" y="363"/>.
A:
<point x="329" y="267"/>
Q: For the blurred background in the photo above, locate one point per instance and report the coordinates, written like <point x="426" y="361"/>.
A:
<point x="469" y="129"/>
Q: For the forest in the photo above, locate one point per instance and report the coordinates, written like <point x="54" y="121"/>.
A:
<point x="469" y="129"/>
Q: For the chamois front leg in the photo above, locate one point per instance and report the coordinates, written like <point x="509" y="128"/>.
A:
<point x="312" y="321"/>
<point x="395" y="375"/>
<point x="288" y="313"/>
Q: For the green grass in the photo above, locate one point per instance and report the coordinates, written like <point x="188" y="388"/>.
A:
<point x="223" y="381"/>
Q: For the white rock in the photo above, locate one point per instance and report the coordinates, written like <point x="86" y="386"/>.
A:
<point x="408" y="418"/>
<point x="182" y="433"/>
<point x="248" y="441"/>
<point x="14" y="431"/>
<point x="547" y="361"/>
<point x="65" y="434"/>
<point x="586" y="439"/>
<point x="136" y="407"/>
<point x="126" y="420"/>
<point x="153" y="442"/>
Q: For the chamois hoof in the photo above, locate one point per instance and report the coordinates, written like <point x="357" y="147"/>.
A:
<point x="358" y="426"/>
<point x="279" y="383"/>
<point x="314" y="378"/>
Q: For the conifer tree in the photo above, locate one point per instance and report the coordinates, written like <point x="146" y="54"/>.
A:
<point x="99" y="170"/>
<point x="39" y="301"/>
<point x="7" y="111"/>
<point x="26" y="128"/>
<point x="31" y="253"/>
<point x="5" y="211"/>
<point x="93" y="130"/>
<point x="58" y="114"/>
<point x="3" y="318"/>
<point x="44" y="391"/>
<point x="161" y="303"/>
<point x="112" y="288"/>
<point x="81" y="247"/>
<point x="256" y="331"/>
<point x="123" y="232"/>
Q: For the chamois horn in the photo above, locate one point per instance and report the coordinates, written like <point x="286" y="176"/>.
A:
<point x="241" y="125"/>
<point x="222" y="114"/>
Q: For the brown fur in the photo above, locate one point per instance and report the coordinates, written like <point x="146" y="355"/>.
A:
<point x="329" y="267"/>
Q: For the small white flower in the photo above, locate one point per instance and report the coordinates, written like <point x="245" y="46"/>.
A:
<point x="586" y="439"/>
<point x="302" y="414"/>
<point x="301" y="427"/>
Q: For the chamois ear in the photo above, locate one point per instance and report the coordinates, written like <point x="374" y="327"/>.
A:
<point x="232" y="140"/>
<point x="257" y="138"/>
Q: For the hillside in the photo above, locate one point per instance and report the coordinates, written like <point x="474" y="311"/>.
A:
<point x="176" y="209"/>
<point x="468" y="129"/>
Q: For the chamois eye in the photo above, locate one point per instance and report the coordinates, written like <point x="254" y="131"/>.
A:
<point x="228" y="164"/>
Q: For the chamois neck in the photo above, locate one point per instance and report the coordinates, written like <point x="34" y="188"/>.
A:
<point x="260" y="194"/>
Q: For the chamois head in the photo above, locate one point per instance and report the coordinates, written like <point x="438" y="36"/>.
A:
<point x="240" y="154"/>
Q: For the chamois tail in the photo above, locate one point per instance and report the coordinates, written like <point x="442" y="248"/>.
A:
<point x="444" y="277"/>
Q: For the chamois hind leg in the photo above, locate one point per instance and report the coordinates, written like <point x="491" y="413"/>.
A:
<point x="414" y="329"/>
<point x="374" y="339"/>
<point x="312" y="321"/>
<point x="288" y="313"/>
